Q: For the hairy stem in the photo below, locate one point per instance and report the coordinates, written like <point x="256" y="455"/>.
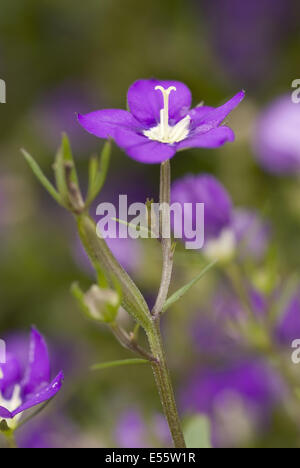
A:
<point x="164" y="385"/>
<point x="160" y="367"/>
<point x="166" y="242"/>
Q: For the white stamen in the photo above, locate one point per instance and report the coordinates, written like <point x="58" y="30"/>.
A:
<point x="163" y="132"/>
<point x="13" y="403"/>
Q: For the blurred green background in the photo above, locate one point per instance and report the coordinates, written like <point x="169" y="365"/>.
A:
<point x="59" y="57"/>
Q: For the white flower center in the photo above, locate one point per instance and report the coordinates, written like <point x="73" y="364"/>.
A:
<point x="13" y="403"/>
<point x="164" y="132"/>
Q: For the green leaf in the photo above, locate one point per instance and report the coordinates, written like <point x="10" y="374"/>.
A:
<point x="182" y="291"/>
<point x="78" y="294"/>
<point x="98" y="172"/>
<point x="197" y="432"/>
<point x="68" y="157"/>
<point x="122" y="362"/>
<point x="60" y="173"/>
<point x="42" y="178"/>
<point x="134" y="226"/>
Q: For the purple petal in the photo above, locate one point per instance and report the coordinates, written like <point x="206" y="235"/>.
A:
<point x="104" y="123"/>
<point x="217" y="115"/>
<point x="211" y="139"/>
<point x="142" y="149"/>
<point x="44" y="394"/>
<point x="197" y="113"/>
<point x="11" y="375"/>
<point x="38" y="370"/>
<point x="4" y="413"/>
<point x="145" y="102"/>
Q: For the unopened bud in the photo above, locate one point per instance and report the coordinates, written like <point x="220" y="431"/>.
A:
<point x="103" y="304"/>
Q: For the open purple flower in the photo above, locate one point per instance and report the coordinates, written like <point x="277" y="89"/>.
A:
<point x="21" y="389"/>
<point x="160" y="121"/>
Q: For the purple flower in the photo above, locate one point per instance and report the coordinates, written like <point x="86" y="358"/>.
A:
<point x="55" y="112"/>
<point x="251" y="233"/>
<point x="208" y="190"/>
<point x="251" y="379"/>
<point x="212" y="331"/>
<point x="246" y="35"/>
<point x="160" y="121"/>
<point x="132" y="430"/>
<point x="22" y="389"/>
<point x="245" y="391"/>
<point x="277" y="137"/>
<point x="288" y="326"/>
<point x="227" y="230"/>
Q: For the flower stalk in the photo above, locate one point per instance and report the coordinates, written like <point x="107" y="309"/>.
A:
<point x="164" y="384"/>
<point x="160" y="368"/>
<point x="166" y="242"/>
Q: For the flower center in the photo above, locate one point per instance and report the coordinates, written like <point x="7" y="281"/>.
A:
<point x="13" y="403"/>
<point x="164" y="132"/>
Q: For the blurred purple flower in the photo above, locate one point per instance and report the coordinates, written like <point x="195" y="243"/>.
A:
<point x="247" y="35"/>
<point x="160" y="122"/>
<point x="208" y="190"/>
<point x="277" y="137"/>
<point x="55" y="431"/>
<point x="244" y="392"/>
<point x="288" y="324"/>
<point x="132" y="431"/>
<point x="236" y="229"/>
<point x="253" y="380"/>
<point x="211" y="329"/>
<point x="55" y="113"/>
<point x="251" y="233"/>
<point x="22" y="389"/>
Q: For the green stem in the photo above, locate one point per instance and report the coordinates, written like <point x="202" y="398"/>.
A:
<point x="164" y="384"/>
<point x="165" y="233"/>
<point x="11" y="440"/>
<point x="159" y="366"/>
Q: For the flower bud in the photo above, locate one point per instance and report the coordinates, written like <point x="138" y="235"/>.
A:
<point x="102" y="304"/>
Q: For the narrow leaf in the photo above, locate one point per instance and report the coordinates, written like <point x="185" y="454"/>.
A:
<point x="134" y="226"/>
<point x="60" y="174"/>
<point x="93" y="170"/>
<point x="98" y="172"/>
<point x="182" y="291"/>
<point x="122" y="362"/>
<point x="41" y="177"/>
<point x="68" y="157"/>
